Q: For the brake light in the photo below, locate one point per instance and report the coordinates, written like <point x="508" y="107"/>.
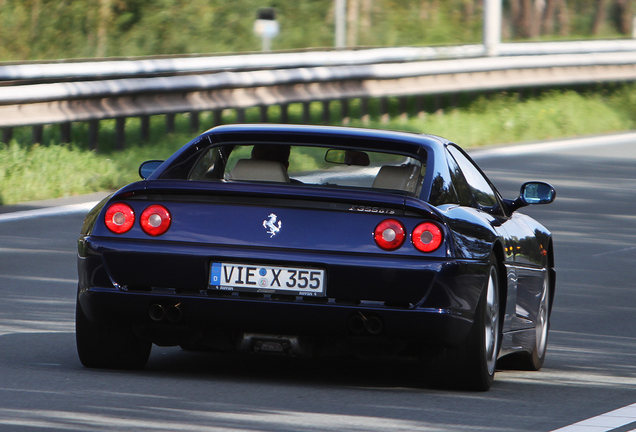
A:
<point x="155" y="220"/>
<point x="427" y="237"/>
<point x="389" y="234"/>
<point x="119" y="218"/>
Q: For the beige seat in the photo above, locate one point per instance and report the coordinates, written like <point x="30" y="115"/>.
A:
<point x="260" y="170"/>
<point x="393" y="177"/>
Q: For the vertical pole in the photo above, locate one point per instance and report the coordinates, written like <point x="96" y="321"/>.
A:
<point x="341" y="23"/>
<point x="7" y="134"/>
<point x="263" y="114"/>
<point x="384" y="110"/>
<point x="217" y="117"/>
<point x="492" y="26"/>
<point x="344" y="111"/>
<point x="306" y="112"/>
<point x="120" y="133"/>
<point x="169" y="123"/>
<point x="284" y="113"/>
<point x="326" y="114"/>
<point x="364" y="110"/>
<point x="145" y="128"/>
<point x="65" y="132"/>
<point x="194" y="121"/>
<point x="93" y="134"/>
<point x="38" y="133"/>
<point x="240" y="115"/>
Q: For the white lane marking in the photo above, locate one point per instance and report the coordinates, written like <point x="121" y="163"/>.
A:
<point x="552" y="146"/>
<point x="605" y="422"/>
<point x="48" y="211"/>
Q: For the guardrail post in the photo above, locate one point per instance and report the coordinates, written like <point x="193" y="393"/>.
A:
<point x="402" y="104"/>
<point x="419" y="106"/>
<point x="384" y="113"/>
<point x="120" y="133"/>
<point x="93" y="134"/>
<point x="170" y="123"/>
<point x="306" y="112"/>
<point x="7" y="134"/>
<point x="364" y="110"/>
<point x="284" y="113"/>
<point x="326" y="113"/>
<point x="262" y="117"/>
<point x="65" y="132"/>
<point x="344" y="111"/>
<point x="240" y="115"/>
<point x="194" y="121"/>
<point x="38" y="132"/>
<point x="145" y="128"/>
<point x="217" y="117"/>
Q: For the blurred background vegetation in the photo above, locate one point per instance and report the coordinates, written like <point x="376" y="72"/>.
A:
<point x="64" y="29"/>
<point x="56" y="29"/>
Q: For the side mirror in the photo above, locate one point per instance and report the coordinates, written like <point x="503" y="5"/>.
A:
<point x="532" y="193"/>
<point x="537" y="193"/>
<point x="147" y="168"/>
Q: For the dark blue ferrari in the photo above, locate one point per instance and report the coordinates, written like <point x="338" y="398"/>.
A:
<point x="307" y="240"/>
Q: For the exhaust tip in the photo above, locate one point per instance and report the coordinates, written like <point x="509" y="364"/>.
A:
<point x="156" y="312"/>
<point x="374" y="325"/>
<point x="174" y="313"/>
<point x="356" y="324"/>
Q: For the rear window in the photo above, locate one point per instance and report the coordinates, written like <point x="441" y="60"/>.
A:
<point x="310" y="165"/>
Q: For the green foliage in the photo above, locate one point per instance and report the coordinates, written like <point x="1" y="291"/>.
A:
<point x="31" y="172"/>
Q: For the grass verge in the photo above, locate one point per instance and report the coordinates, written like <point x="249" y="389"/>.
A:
<point x="32" y="172"/>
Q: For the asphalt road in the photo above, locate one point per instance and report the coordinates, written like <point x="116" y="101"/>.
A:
<point x="590" y="367"/>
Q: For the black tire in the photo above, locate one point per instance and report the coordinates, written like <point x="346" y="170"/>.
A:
<point x="471" y="366"/>
<point x="100" y="346"/>
<point x="533" y="361"/>
<point x="484" y="340"/>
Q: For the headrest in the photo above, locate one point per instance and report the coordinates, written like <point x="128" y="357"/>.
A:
<point x="393" y="177"/>
<point x="260" y="170"/>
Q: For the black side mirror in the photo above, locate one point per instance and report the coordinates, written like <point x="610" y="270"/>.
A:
<point x="532" y="193"/>
<point x="537" y="193"/>
<point x="148" y="167"/>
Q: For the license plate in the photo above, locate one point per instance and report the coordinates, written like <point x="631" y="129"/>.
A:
<point x="267" y="279"/>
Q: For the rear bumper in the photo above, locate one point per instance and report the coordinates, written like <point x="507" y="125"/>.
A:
<point x="415" y="298"/>
<point x="201" y="313"/>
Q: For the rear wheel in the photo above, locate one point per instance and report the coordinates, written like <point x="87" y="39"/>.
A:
<point x="482" y="345"/>
<point x="100" y="346"/>
<point x="471" y="366"/>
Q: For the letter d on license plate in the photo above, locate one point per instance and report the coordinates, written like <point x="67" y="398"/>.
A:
<point x="267" y="279"/>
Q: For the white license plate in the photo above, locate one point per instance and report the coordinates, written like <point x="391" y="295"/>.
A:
<point x="267" y="279"/>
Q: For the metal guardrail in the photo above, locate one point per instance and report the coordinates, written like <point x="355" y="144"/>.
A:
<point x="111" y="69"/>
<point x="40" y="104"/>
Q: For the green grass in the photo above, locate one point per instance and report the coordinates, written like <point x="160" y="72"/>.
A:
<point x="32" y="172"/>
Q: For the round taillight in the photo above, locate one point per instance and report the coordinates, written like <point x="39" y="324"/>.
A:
<point x="427" y="237"/>
<point x="155" y="220"/>
<point x="389" y="234"/>
<point x="119" y="218"/>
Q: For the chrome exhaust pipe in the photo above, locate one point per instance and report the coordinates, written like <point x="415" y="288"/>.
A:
<point x="156" y="312"/>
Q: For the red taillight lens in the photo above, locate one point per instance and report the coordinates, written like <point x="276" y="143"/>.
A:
<point x="155" y="220"/>
<point x="389" y="234"/>
<point x="427" y="237"/>
<point x="119" y="218"/>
